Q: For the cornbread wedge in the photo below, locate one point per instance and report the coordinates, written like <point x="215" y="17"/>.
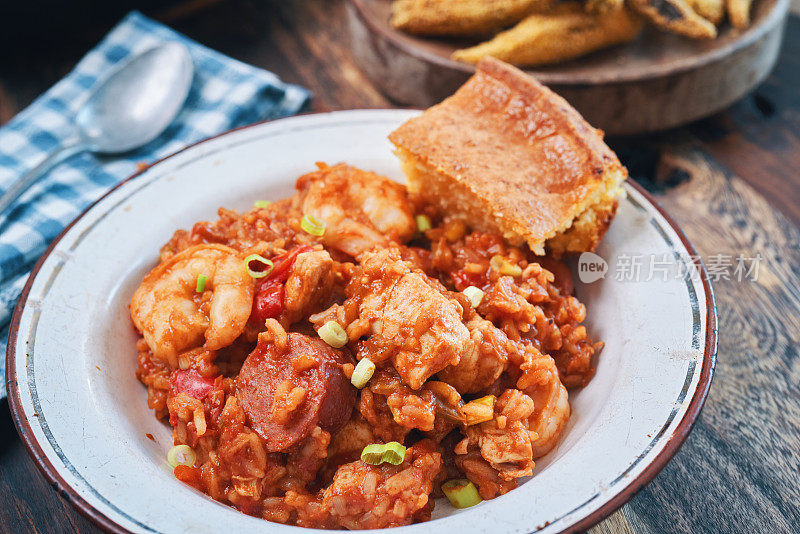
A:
<point x="461" y="17"/>
<point x="565" y="33"/>
<point x="507" y="155"/>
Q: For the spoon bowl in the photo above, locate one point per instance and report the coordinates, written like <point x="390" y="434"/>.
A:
<point x="134" y="104"/>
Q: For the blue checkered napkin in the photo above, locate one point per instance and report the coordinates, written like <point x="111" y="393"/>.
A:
<point x="225" y="93"/>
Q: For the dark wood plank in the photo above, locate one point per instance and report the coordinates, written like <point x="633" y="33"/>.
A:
<point x="759" y="138"/>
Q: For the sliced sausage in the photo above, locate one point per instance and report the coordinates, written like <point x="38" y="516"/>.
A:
<point x="326" y="399"/>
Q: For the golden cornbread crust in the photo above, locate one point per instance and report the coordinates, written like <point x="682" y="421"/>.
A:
<point x="506" y="154"/>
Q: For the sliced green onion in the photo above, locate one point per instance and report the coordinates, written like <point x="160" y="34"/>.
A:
<point x="312" y="225"/>
<point x="333" y="334"/>
<point x="479" y="410"/>
<point x="474" y="295"/>
<point x="378" y="453"/>
<point x="461" y="493"/>
<point x="423" y="223"/>
<point x="503" y="266"/>
<point x="362" y="373"/>
<point x="201" y="283"/>
<point x="181" y="455"/>
<point x="260" y="259"/>
<point x="262" y="203"/>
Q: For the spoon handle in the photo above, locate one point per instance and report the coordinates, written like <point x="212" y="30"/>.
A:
<point x="68" y="148"/>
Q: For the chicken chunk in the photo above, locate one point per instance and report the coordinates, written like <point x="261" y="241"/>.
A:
<point x="309" y="284"/>
<point x="506" y="441"/>
<point x="364" y="496"/>
<point x="408" y="318"/>
<point x="484" y="359"/>
<point x="347" y="444"/>
<point x="488" y="480"/>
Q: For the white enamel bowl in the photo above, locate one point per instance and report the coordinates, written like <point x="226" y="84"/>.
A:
<point x="83" y="415"/>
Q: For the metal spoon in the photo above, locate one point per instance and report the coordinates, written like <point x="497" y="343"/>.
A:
<point x="128" y="109"/>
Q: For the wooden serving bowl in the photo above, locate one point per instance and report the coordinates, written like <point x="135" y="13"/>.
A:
<point x="659" y="81"/>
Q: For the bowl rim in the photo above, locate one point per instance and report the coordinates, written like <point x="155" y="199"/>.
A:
<point x="750" y="35"/>
<point x="53" y="476"/>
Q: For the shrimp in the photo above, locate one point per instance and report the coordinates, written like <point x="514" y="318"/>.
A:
<point x="528" y="420"/>
<point x="540" y="381"/>
<point x="479" y="471"/>
<point x="172" y="316"/>
<point x="360" y="209"/>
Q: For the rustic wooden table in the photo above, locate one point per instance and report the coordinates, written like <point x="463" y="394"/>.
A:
<point x="732" y="182"/>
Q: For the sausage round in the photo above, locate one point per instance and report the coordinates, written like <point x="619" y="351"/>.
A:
<point x="306" y="363"/>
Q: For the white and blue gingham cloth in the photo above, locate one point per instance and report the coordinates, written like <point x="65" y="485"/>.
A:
<point x="225" y="93"/>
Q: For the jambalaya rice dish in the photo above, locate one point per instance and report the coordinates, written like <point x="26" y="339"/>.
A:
<point x="343" y="358"/>
<point x="345" y="374"/>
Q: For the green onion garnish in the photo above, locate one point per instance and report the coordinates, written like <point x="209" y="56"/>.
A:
<point x="479" y="410"/>
<point x="503" y="266"/>
<point x="461" y="493"/>
<point x="260" y="259"/>
<point x="362" y="373"/>
<point x="201" y="283"/>
<point x="333" y="334"/>
<point x="423" y="223"/>
<point x="474" y="295"/>
<point x="312" y="225"/>
<point x="262" y="203"/>
<point x="181" y="455"/>
<point x="378" y="453"/>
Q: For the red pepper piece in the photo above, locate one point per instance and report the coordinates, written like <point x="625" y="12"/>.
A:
<point x="188" y="475"/>
<point x="283" y="263"/>
<point x="268" y="301"/>
<point x="192" y="383"/>
<point x="463" y="279"/>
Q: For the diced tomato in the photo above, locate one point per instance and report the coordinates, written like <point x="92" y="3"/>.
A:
<point x="188" y="475"/>
<point x="192" y="383"/>
<point x="463" y="279"/>
<point x="268" y="301"/>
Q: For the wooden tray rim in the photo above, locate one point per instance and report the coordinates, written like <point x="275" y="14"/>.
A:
<point x="752" y="34"/>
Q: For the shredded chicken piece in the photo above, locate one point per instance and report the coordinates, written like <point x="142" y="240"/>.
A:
<point x="380" y="496"/>
<point x="407" y="316"/>
<point x="483" y="361"/>
<point x="308" y="285"/>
